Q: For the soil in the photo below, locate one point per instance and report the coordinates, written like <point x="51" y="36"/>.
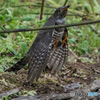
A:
<point x="82" y="73"/>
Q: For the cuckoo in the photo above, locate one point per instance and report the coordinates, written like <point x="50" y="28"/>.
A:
<point x="50" y="48"/>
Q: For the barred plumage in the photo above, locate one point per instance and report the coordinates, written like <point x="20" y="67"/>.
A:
<point x="58" y="57"/>
<point x="49" y="48"/>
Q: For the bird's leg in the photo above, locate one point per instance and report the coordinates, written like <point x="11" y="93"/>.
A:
<point x="55" y="43"/>
<point x="64" y="41"/>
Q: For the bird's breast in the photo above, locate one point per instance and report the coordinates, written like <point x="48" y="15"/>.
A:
<point x="56" y="35"/>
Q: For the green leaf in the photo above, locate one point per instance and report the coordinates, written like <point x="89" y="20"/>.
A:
<point x="9" y="10"/>
<point x="32" y="93"/>
<point x="1" y="69"/>
<point x="17" y="27"/>
<point x="1" y="18"/>
<point x="85" y="43"/>
<point x="97" y="78"/>
<point x="84" y="49"/>
<point x="7" y="27"/>
<point x="23" y="48"/>
<point x="27" y="18"/>
<point x="72" y="40"/>
<point x="9" y="46"/>
<point x="16" y="53"/>
<point x="2" y="50"/>
<point x="23" y="26"/>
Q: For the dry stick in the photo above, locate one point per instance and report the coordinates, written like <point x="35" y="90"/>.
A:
<point x="41" y="9"/>
<point x="50" y="27"/>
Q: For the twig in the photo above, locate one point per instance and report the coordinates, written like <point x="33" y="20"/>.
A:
<point x="41" y="9"/>
<point x="93" y="29"/>
<point x="38" y="13"/>
<point x="65" y="2"/>
<point x="50" y="27"/>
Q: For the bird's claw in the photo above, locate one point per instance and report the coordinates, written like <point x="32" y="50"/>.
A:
<point x="64" y="41"/>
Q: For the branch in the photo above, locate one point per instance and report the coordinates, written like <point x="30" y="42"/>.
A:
<point x="50" y="14"/>
<point x="41" y="9"/>
<point x="49" y="27"/>
<point x="10" y="92"/>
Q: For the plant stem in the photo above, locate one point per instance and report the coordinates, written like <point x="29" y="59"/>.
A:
<point x="65" y="2"/>
<point x="41" y="9"/>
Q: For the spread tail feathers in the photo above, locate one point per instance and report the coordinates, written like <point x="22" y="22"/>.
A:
<point x="20" y="64"/>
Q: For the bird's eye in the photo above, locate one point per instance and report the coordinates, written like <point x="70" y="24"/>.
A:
<point x="59" y="10"/>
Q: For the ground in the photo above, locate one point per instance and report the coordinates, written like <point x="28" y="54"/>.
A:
<point x="77" y="73"/>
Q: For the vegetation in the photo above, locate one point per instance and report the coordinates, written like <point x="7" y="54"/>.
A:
<point x="83" y="41"/>
<point x="13" y="15"/>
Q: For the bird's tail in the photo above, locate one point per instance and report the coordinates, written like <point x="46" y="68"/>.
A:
<point x="20" y="64"/>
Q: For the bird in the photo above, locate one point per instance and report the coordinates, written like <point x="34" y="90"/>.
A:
<point x="50" y="48"/>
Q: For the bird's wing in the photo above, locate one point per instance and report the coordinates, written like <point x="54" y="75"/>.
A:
<point x="59" y="56"/>
<point x="39" y="51"/>
<point x="42" y="33"/>
<point x="39" y="57"/>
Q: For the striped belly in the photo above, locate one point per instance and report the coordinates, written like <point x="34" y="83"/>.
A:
<point x="57" y="35"/>
<point x="58" y="57"/>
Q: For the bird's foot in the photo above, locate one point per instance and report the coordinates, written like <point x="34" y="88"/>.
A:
<point x="64" y="41"/>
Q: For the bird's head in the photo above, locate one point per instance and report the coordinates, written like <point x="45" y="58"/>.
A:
<point x="61" y="12"/>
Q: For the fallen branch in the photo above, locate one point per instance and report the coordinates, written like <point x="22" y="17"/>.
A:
<point x="8" y="93"/>
<point x="50" y="27"/>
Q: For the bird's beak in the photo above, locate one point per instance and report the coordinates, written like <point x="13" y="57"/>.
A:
<point x="66" y="7"/>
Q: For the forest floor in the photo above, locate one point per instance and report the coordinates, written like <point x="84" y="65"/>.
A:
<point x="80" y="74"/>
